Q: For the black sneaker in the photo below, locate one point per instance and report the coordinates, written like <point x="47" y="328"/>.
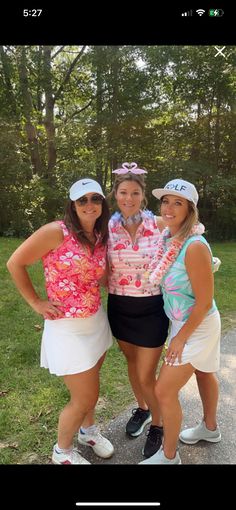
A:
<point x="137" y="422"/>
<point x="154" y="441"/>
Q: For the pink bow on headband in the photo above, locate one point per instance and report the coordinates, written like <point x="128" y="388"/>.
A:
<point x="129" y="167"/>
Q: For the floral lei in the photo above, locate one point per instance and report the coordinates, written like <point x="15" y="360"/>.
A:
<point x="163" y="260"/>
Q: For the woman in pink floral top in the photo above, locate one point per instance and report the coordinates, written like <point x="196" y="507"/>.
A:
<point x="76" y="330"/>
<point x="135" y="305"/>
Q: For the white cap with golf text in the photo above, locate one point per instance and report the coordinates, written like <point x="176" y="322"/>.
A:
<point x="84" y="186"/>
<point x="180" y="188"/>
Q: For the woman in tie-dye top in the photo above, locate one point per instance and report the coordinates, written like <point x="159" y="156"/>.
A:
<point x="135" y="305"/>
<point x="76" y="330"/>
<point x="184" y="269"/>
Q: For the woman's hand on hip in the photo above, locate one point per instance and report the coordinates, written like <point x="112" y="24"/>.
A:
<point x="49" y="309"/>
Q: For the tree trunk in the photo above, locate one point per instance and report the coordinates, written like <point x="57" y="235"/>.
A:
<point x="98" y="58"/>
<point x="113" y="134"/>
<point x="114" y="104"/>
<point x="217" y="130"/>
<point x="7" y="82"/>
<point x="27" y="112"/>
<point x="49" y="113"/>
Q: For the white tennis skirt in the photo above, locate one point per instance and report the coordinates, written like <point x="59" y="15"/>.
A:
<point x="70" y="346"/>
<point x="202" y="348"/>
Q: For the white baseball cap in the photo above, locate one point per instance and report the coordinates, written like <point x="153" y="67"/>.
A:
<point x="84" y="186"/>
<point x="180" y="188"/>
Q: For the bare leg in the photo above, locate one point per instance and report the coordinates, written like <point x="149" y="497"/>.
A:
<point x="170" y="381"/>
<point x="209" y="392"/>
<point x="147" y="362"/>
<point x="130" y="352"/>
<point x="84" y="390"/>
<point x="90" y="416"/>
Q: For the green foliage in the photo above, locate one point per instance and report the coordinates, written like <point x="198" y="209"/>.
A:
<point x="68" y="112"/>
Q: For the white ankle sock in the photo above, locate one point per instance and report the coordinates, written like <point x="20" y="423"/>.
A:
<point x="88" y="430"/>
<point x="63" y="450"/>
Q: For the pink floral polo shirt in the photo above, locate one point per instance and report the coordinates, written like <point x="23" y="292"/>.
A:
<point x="72" y="272"/>
<point x="129" y="261"/>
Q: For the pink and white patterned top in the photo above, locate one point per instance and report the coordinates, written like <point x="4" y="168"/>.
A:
<point x="129" y="261"/>
<point x="72" y="272"/>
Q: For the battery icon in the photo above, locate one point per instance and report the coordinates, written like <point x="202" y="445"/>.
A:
<point x="215" y="13"/>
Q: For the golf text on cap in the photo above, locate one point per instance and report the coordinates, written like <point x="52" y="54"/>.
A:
<point x="177" y="187"/>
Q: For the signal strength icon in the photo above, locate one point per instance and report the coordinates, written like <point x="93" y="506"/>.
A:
<point x="200" y="12"/>
<point x="187" y="13"/>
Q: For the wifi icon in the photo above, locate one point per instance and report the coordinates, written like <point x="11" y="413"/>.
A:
<point x="200" y="12"/>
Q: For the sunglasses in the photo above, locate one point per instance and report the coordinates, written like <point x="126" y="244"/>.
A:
<point x="94" y="199"/>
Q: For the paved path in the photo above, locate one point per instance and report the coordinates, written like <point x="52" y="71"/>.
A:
<point x="128" y="451"/>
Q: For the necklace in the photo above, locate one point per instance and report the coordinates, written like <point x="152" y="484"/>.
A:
<point x="164" y="259"/>
<point x="145" y="214"/>
<point x="131" y="220"/>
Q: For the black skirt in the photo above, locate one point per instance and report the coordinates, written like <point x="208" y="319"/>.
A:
<point x="138" y="320"/>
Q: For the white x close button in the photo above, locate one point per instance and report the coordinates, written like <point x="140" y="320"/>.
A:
<point x="220" y="51"/>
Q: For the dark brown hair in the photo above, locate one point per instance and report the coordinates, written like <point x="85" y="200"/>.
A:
<point x="74" y="226"/>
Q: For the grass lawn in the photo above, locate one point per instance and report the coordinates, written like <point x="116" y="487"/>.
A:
<point x="31" y="398"/>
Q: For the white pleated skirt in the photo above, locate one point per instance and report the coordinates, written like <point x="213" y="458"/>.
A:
<point x="71" y="346"/>
<point x="202" y="348"/>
